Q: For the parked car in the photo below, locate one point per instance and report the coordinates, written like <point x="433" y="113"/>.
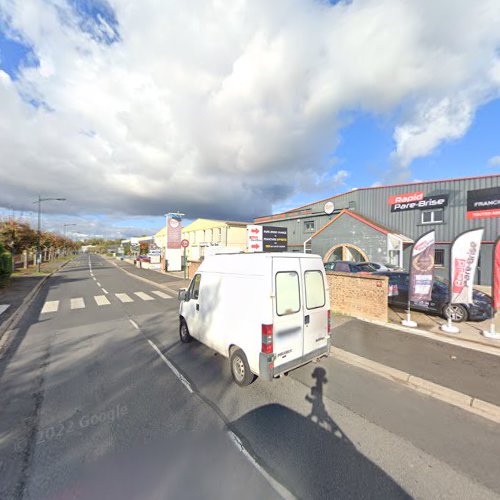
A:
<point x="344" y="266"/>
<point x="268" y="313"/>
<point x="382" y="267"/>
<point x="480" y="310"/>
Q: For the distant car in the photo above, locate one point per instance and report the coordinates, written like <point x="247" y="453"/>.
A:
<point x="480" y="310"/>
<point x="142" y="258"/>
<point x="382" y="267"/>
<point x="344" y="266"/>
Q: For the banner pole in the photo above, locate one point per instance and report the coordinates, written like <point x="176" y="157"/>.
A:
<point x="491" y="333"/>
<point x="408" y="321"/>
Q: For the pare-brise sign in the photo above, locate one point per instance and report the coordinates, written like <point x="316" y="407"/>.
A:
<point x="416" y="201"/>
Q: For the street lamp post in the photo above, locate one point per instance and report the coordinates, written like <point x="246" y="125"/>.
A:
<point x="40" y="201"/>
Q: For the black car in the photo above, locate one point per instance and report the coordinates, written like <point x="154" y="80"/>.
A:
<point x="480" y="310"/>
<point x="345" y="266"/>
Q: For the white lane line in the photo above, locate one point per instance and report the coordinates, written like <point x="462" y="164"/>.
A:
<point x="161" y="294"/>
<point x="101" y="300"/>
<point x="172" y="367"/>
<point x="50" y="306"/>
<point x="4" y="307"/>
<point x="123" y="297"/>
<point x="99" y="285"/>
<point x="144" y="296"/>
<point x="78" y="303"/>
<point x="134" y="324"/>
<point x="277" y="486"/>
<point x="93" y="277"/>
<point x="104" y="290"/>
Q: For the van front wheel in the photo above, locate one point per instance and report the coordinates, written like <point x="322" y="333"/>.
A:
<point x="239" y="368"/>
<point x="184" y="332"/>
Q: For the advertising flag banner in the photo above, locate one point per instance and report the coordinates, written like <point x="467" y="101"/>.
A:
<point x="464" y="257"/>
<point x="496" y="275"/>
<point x="174" y="231"/>
<point x="422" y="268"/>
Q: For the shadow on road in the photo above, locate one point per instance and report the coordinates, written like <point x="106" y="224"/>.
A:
<point x="311" y="455"/>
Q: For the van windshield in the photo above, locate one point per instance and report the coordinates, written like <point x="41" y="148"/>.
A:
<point x="315" y="289"/>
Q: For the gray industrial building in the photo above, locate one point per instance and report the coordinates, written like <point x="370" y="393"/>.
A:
<point x="379" y="224"/>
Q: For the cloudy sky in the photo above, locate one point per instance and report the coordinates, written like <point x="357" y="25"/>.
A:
<point x="237" y="108"/>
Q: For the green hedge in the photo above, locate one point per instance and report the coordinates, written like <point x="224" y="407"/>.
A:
<point x="5" y="262"/>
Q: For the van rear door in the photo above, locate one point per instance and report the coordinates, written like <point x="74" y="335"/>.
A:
<point x="288" y="324"/>
<point x="316" y="304"/>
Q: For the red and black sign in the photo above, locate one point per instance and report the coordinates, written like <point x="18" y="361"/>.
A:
<point x="483" y="203"/>
<point x="417" y="201"/>
<point x="496" y="275"/>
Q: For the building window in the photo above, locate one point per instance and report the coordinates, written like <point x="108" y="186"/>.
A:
<point x="433" y="216"/>
<point x="309" y="226"/>
<point x="220" y="235"/>
<point x="439" y="257"/>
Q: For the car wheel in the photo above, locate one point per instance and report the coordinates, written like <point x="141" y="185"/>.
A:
<point x="184" y="332"/>
<point x="456" y="312"/>
<point x="239" y="368"/>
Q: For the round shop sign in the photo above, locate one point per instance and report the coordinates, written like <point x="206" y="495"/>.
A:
<point x="174" y="223"/>
<point x="329" y="207"/>
<point x="184" y="243"/>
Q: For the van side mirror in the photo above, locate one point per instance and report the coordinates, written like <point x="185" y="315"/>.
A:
<point x="182" y="294"/>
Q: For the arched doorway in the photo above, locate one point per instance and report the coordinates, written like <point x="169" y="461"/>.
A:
<point x="345" y="252"/>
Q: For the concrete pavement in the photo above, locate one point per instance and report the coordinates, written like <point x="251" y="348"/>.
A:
<point x="91" y="410"/>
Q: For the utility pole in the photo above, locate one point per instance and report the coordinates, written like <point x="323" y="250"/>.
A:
<point x="40" y="201"/>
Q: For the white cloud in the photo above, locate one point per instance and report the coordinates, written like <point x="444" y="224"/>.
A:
<point x="494" y="161"/>
<point x="223" y="108"/>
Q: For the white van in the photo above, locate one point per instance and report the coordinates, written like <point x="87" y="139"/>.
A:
<point x="267" y="312"/>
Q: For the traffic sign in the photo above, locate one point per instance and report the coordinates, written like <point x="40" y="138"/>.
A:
<point x="184" y="243"/>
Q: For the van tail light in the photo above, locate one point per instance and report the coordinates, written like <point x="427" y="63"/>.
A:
<point x="267" y="339"/>
<point x="329" y="322"/>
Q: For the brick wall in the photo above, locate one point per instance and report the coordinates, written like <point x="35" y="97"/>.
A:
<point x="192" y="268"/>
<point x="359" y="295"/>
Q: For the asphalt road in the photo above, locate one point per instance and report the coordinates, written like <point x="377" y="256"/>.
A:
<point x="98" y="399"/>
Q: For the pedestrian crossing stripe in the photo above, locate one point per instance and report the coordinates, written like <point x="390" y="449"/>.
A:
<point x="144" y="296"/>
<point x="50" y="306"/>
<point x="161" y="294"/>
<point x="78" y="303"/>
<point x="123" y="297"/>
<point x="4" y="307"/>
<point x="101" y="300"/>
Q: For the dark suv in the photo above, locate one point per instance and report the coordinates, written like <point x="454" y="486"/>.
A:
<point x="480" y="310"/>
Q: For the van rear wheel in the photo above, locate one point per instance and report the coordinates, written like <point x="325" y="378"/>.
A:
<point x="184" y="332"/>
<point x="239" y="368"/>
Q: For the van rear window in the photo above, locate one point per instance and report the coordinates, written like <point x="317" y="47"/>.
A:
<point x="315" y="289"/>
<point x="287" y="293"/>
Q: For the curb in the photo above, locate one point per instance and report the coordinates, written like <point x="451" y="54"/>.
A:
<point x="26" y="303"/>
<point x="440" y="392"/>
<point x="159" y="285"/>
<point x="466" y="344"/>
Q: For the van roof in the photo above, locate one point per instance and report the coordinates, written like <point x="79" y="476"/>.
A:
<point x="246" y="263"/>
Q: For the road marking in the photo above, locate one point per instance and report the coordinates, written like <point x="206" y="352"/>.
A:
<point x="99" y="285"/>
<point x="134" y="324"/>
<point x="101" y="300"/>
<point x="161" y="294"/>
<point x="277" y="486"/>
<point x="78" y="303"/>
<point x="123" y="297"/>
<point x="93" y="277"/>
<point x="50" y="306"/>
<point x="144" y="296"/>
<point x="4" y="307"/>
<point x="171" y="366"/>
<point x="104" y="290"/>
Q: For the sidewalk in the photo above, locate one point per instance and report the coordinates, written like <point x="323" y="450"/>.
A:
<point x="464" y="370"/>
<point x="470" y="331"/>
<point x="164" y="279"/>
